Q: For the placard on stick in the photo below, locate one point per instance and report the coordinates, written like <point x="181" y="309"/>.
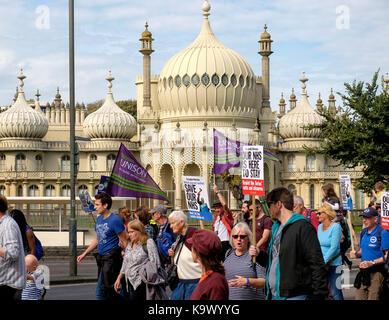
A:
<point x="197" y="198"/>
<point x="252" y="171"/>
<point x="385" y="211"/>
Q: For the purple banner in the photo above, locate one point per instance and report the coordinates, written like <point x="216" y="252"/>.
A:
<point x="227" y="152"/>
<point x="130" y="179"/>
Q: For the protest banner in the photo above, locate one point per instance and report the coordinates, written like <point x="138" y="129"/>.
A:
<point x="253" y="177"/>
<point x="130" y="179"/>
<point x="87" y="203"/>
<point x="345" y="191"/>
<point x="228" y="152"/>
<point x="385" y="211"/>
<point x="196" y="196"/>
<point x="252" y="171"/>
<point x="103" y="184"/>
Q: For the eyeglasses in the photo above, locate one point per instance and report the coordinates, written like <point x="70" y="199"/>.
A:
<point x="320" y="212"/>
<point x="240" y="236"/>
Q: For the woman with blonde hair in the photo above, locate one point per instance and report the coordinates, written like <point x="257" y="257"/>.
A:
<point x="330" y="234"/>
<point x="140" y="251"/>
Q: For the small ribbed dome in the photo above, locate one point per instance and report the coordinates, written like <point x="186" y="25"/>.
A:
<point x="22" y="121"/>
<point x="206" y="74"/>
<point x="290" y="125"/>
<point x="265" y="35"/>
<point x="109" y="121"/>
<point x="146" y="33"/>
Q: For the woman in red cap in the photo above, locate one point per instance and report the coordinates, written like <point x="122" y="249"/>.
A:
<point x="213" y="285"/>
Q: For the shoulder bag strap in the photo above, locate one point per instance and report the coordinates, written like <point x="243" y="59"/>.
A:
<point x="183" y="243"/>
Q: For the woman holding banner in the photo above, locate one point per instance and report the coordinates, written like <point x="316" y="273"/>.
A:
<point x="245" y="278"/>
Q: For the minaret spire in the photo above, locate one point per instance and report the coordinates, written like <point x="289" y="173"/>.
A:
<point x="146" y="50"/>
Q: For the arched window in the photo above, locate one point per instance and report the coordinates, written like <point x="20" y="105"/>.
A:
<point x="93" y="162"/>
<point x="82" y="188"/>
<point x="312" y="196"/>
<point x="33" y="191"/>
<point x="310" y="165"/>
<point x="2" y="162"/>
<point x="110" y="161"/>
<point x="65" y="191"/>
<point x="2" y="190"/>
<point x="20" y="162"/>
<point x="38" y="162"/>
<point x="65" y="163"/>
<point x="20" y="191"/>
<point x="50" y="191"/>
<point x="292" y="163"/>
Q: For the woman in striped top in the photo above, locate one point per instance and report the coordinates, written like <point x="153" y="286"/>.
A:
<point x="246" y="280"/>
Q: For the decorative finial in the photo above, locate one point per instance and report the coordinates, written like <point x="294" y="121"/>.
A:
<point x="21" y="77"/>
<point x="109" y="78"/>
<point x="37" y="95"/>
<point x="265" y="26"/>
<point x="303" y="80"/>
<point x="178" y="125"/>
<point x="146" y="25"/>
<point x="206" y="9"/>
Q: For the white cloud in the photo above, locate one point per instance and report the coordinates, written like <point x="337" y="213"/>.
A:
<point x="305" y="37"/>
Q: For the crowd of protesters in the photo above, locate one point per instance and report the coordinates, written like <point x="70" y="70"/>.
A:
<point x="297" y="253"/>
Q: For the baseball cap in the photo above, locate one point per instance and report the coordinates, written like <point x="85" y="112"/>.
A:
<point x="159" y="208"/>
<point x="369" y="212"/>
<point x="206" y="242"/>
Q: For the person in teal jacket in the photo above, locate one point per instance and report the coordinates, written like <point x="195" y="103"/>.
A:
<point x="296" y="266"/>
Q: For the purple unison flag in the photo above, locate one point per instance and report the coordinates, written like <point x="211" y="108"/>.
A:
<point x="227" y="152"/>
<point x="130" y="179"/>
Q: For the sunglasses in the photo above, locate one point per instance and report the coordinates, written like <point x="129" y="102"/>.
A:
<point x="240" y="236"/>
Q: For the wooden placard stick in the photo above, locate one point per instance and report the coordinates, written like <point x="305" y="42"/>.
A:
<point x="254" y="242"/>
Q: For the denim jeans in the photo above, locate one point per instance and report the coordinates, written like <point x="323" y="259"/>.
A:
<point x="184" y="289"/>
<point x="335" y="281"/>
<point x="105" y="295"/>
<point x="302" y="297"/>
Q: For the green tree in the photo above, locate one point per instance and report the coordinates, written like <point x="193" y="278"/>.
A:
<point x="128" y="106"/>
<point x="359" y="134"/>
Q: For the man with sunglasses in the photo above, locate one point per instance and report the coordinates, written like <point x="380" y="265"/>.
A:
<point x="296" y="266"/>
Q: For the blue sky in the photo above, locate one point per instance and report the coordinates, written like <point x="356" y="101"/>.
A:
<point x="333" y="41"/>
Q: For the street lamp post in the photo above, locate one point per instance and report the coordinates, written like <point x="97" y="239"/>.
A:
<point x="73" y="219"/>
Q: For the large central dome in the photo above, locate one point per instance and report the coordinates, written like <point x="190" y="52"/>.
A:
<point x="206" y="75"/>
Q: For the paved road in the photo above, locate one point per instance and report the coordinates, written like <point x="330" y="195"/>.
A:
<point x="87" y="291"/>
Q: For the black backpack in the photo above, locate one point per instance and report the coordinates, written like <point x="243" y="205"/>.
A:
<point x="346" y="237"/>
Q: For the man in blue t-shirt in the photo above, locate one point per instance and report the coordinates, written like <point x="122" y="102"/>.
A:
<point x="370" y="279"/>
<point x="109" y="230"/>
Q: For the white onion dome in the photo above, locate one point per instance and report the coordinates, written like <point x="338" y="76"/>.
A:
<point x="291" y="124"/>
<point x="20" y="120"/>
<point x="206" y="74"/>
<point x="109" y="121"/>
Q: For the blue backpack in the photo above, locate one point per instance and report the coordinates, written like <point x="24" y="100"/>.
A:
<point x="38" y="245"/>
<point x="165" y="241"/>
